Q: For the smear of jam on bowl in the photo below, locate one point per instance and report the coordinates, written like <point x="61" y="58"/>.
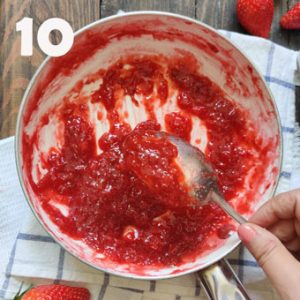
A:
<point x="121" y="193"/>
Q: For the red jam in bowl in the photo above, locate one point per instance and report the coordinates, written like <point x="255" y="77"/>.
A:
<point x="125" y="196"/>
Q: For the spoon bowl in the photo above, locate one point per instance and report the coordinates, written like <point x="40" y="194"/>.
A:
<point x="200" y="176"/>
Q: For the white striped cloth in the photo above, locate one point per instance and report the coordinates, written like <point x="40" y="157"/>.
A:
<point x="28" y="254"/>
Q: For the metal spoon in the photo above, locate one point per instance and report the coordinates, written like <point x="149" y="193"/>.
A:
<point x="200" y="176"/>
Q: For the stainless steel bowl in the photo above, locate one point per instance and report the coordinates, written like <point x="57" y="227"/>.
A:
<point x="165" y="33"/>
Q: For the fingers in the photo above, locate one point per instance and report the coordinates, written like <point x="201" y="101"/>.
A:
<point x="280" y="266"/>
<point x="282" y="206"/>
<point x="284" y="230"/>
<point x="297" y="227"/>
<point x="293" y="245"/>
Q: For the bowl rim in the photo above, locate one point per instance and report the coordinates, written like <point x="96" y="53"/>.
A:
<point x="18" y="137"/>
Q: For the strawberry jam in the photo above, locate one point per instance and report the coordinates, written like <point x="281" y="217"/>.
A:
<point x="125" y="195"/>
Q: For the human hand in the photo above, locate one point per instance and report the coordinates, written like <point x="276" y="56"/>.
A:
<point x="270" y="235"/>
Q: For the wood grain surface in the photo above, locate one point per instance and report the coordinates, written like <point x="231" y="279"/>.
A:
<point x="16" y="71"/>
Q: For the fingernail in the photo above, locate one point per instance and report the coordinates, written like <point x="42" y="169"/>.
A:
<point x="246" y="233"/>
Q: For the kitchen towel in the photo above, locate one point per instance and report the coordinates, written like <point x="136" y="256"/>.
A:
<point x="29" y="255"/>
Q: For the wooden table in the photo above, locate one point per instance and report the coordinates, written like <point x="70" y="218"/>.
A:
<point x="16" y="71"/>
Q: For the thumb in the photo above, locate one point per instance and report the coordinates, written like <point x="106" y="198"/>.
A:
<point x="278" y="263"/>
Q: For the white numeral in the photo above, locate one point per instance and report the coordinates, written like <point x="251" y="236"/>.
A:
<point x="66" y="41"/>
<point x="25" y="26"/>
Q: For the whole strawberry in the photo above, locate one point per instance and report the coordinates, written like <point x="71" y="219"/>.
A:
<point x="54" y="292"/>
<point x="291" y="20"/>
<point x="256" y="16"/>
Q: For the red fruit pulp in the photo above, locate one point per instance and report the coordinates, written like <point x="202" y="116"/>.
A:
<point x="129" y="202"/>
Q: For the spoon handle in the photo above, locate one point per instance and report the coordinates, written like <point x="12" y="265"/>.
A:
<point x="214" y="196"/>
